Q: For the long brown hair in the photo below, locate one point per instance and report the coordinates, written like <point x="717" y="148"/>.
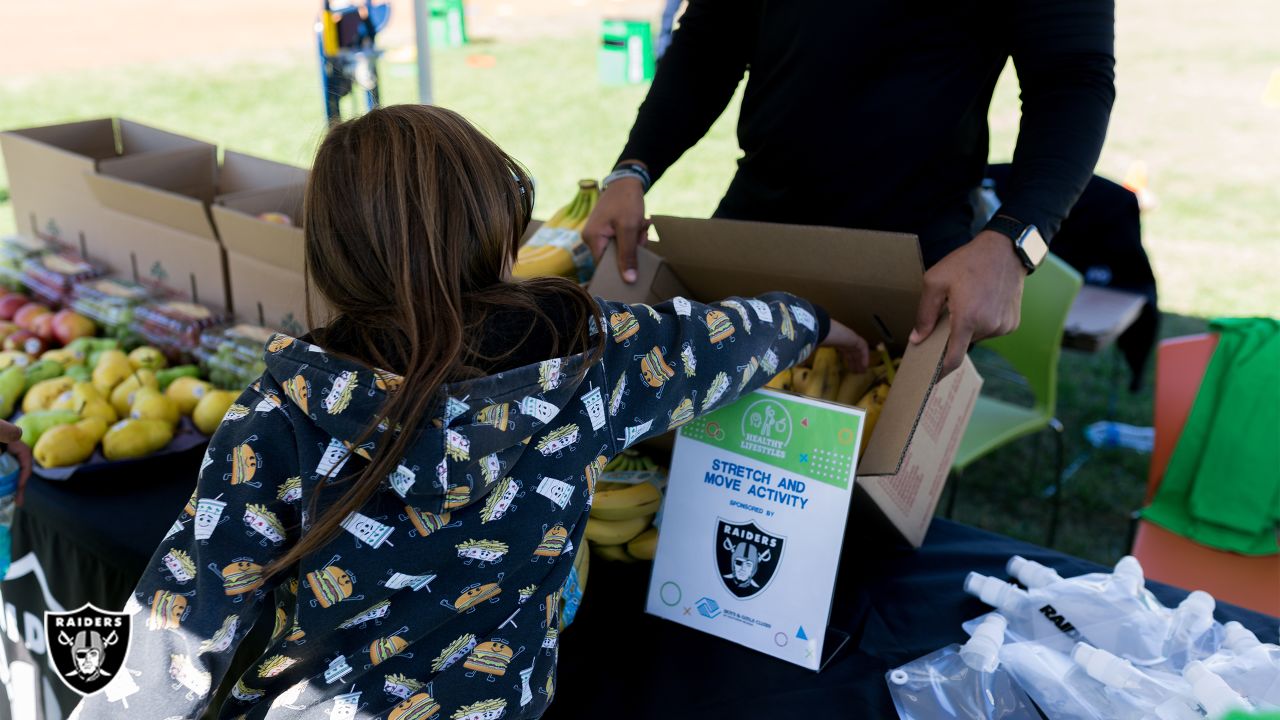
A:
<point x="411" y="216"/>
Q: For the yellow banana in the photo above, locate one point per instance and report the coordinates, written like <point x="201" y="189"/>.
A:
<point x="645" y="545"/>
<point x="614" y="553"/>
<point x="781" y="381"/>
<point x="887" y="361"/>
<point x="627" y="503"/>
<point x="800" y="379"/>
<point x="615" y="532"/>
<point x="852" y="386"/>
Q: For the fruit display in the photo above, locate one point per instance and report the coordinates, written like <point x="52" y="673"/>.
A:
<point x="233" y="356"/>
<point x="110" y="303"/>
<point x="173" y="327"/>
<point x="52" y="278"/>
<point x="627" y="498"/>
<point x="557" y="248"/>
<point x="14" y="254"/>
<point x="827" y="378"/>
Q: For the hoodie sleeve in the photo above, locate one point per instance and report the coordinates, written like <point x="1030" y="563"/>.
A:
<point x="668" y="364"/>
<point x="203" y="589"/>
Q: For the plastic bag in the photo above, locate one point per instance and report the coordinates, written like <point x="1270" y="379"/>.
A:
<point x="961" y="682"/>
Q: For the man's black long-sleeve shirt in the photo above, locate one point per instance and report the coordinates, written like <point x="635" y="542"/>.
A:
<point x="873" y="113"/>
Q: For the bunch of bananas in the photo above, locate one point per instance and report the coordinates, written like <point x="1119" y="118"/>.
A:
<point x="620" y="524"/>
<point x="827" y="378"/>
<point x="557" y="248"/>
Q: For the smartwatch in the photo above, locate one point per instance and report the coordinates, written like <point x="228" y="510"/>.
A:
<point x="1027" y="241"/>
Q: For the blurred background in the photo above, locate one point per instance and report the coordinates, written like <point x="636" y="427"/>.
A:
<point x="1196" y="122"/>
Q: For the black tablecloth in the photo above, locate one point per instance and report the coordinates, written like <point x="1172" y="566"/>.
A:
<point x="86" y="540"/>
<point x="93" y="539"/>
<point x="896" y="603"/>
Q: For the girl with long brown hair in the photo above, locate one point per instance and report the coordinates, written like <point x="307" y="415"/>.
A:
<point x="402" y="493"/>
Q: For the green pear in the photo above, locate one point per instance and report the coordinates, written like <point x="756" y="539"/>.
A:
<point x="112" y="369"/>
<point x="122" y="396"/>
<point x="69" y="444"/>
<point x="38" y="423"/>
<point x="151" y="404"/>
<point x="135" y="438"/>
<point x="212" y="408"/>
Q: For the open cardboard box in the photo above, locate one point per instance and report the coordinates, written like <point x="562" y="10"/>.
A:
<point x="46" y="164"/>
<point x="157" y="225"/>
<point x="265" y="259"/>
<point x="871" y="281"/>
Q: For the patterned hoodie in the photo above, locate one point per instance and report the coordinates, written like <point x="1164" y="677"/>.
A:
<point x="441" y="596"/>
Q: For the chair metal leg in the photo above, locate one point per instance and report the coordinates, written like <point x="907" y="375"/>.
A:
<point x="1034" y="466"/>
<point x="955" y="490"/>
<point x="1056" y="502"/>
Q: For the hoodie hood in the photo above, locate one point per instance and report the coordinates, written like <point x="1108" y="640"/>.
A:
<point x="472" y="436"/>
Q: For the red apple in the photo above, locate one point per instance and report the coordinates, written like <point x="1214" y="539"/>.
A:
<point x="69" y="325"/>
<point x="29" y="312"/>
<point x="25" y="341"/>
<point x="42" y="326"/>
<point x="10" y="303"/>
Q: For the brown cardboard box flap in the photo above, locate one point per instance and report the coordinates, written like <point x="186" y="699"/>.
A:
<point x="171" y="191"/>
<point x="93" y="139"/>
<point x="821" y="264"/>
<point x="240" y="172"/>
<point x="236" y="218"/>
<point x="909" y="496"/>
<point x="138" y="138"/>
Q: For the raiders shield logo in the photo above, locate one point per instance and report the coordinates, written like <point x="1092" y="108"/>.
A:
<point x="87" y="646"/>
<point x="747" y="557"/>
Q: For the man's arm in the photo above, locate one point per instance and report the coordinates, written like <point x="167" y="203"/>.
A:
<point x="696" y="78"/>
<point x="1064" y="54"/>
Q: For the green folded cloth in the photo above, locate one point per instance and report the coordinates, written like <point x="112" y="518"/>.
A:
<point x="1222" y="486"/>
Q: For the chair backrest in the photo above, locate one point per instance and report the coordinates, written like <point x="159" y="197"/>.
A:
<point x="1180" y="366"/>
<point x="1033" y="348"/>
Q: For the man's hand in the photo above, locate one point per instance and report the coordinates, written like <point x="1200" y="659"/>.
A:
<point x="618" y="216"/>
<point x="850" y="345"/>
<point x="980" y="284"/>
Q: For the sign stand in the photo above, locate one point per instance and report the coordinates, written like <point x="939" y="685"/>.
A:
<point x="753" y="524"/>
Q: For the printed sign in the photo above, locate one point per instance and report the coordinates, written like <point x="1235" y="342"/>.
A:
<point x="753" y="520"/>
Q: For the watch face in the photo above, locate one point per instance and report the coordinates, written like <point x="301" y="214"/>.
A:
<point x="1033" y="246"/>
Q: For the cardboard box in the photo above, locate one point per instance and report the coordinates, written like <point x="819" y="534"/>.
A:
<point x="46" y="166"/>
<point x="871" y="281"/>
<point x="157" y="228"/>
<point x="265" y="260"/>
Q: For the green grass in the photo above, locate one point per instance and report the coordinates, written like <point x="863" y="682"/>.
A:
<point x="1189" y="80"/>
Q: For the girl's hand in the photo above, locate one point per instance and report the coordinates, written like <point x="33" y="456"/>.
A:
<point x="850" y="344"/>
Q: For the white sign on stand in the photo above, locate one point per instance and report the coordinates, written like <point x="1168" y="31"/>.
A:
<point x="753" y="522"/>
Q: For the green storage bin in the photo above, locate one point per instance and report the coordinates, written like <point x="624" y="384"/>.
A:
<point x="447" y="26"/>
<point x="626" y="52"/>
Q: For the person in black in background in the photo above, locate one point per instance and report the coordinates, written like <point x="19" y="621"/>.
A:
<point x="873" y="114"/>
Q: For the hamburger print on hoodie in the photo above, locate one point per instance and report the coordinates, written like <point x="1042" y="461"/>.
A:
<point x="441" y="596"/>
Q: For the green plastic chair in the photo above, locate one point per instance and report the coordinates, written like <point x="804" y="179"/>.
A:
<point x="1033" y="351"/>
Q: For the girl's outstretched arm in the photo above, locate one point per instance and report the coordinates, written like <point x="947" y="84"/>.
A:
<point x="670" y="363"/>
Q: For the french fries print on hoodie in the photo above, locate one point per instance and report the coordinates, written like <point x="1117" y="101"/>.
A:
<point x="441" y="596"/>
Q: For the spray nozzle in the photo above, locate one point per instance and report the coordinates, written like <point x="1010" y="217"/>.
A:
<point x="982" y="652"/>
<point x="1031" y="573"/>
<point x="994" y="592"/>
<point x="1105" y="667"/>
<point x="1212" y="692"/>
<point x="1238" y="638"/>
